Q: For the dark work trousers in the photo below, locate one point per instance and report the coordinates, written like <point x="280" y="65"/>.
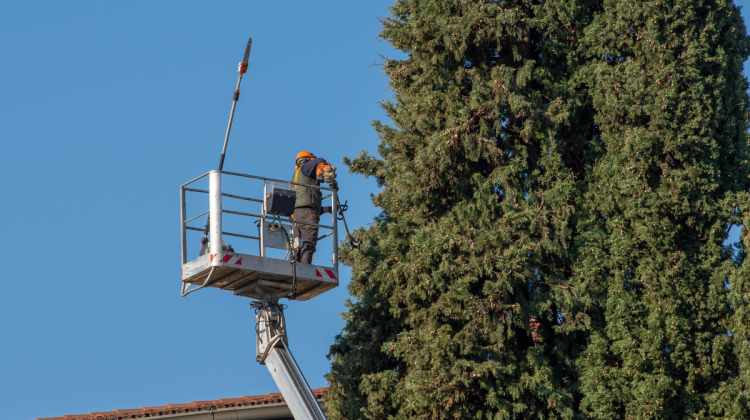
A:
<point x="307" y="234"/>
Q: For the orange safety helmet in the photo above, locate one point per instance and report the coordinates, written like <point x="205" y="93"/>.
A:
<point x="302" y="154"/>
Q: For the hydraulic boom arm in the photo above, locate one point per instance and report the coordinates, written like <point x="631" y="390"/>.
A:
<point x="273" y="351"/>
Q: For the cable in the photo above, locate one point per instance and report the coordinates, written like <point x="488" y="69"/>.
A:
<point x="187" y="292"/>
<point x="275" y="227"/>
<point x="259" y="306"/>
<point x="293" y="260"/>
<point x="294" y="280"/>
<point x="342" y="208"/>
<point x="340" y="216"/>
<point x="264" y="305"/>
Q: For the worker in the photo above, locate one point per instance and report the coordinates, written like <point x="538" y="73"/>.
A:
<point x="308" y="206"/>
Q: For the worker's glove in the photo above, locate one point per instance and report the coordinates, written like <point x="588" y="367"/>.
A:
<point x="326" y="209"/>
<point x="329" y="174"/>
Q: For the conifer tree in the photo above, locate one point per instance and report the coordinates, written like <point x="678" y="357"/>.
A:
<point x="558" y="183"/>
<point x="453" y="317"/>
<point x="664" y="187"/>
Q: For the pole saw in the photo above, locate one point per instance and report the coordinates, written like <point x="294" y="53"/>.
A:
<point x="241" y="69"/>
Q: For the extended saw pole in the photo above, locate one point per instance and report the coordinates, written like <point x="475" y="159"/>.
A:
<point x="241" y="69"/>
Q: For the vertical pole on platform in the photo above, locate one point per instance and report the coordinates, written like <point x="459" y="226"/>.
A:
<point x="214" y="202"/>
<point x="183" y="238"/>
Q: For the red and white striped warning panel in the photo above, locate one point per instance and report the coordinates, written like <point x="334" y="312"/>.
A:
<point x="235" y="260"/>
<point x="326" y="273"/>
<point x="229" y="259"/>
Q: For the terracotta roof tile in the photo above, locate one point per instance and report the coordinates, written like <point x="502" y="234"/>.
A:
<point x="177" y="405"/>
<point x="194" y="406"/>
<point x="230" y="400"/>
<point x="198" y="403"/>
<point x="129" y="411"/>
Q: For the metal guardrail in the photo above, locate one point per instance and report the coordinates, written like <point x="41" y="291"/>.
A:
<point x="216" y="210"/>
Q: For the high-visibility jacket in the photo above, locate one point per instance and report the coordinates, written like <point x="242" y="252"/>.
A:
<point x="308" y="197"/>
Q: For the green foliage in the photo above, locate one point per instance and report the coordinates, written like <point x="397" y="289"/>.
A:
<point x="557" y="187"/>
<point x="665" y="80"/>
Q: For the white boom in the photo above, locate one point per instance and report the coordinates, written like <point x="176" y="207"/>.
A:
<point x="273" y="351"/>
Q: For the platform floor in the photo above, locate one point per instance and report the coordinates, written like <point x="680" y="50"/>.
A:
<point x="241" y="274"/>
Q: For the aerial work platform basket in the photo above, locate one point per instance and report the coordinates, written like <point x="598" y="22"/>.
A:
<point x="247" y="273"/>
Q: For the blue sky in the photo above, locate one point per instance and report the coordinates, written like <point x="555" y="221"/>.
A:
<point x="106" y="108"/>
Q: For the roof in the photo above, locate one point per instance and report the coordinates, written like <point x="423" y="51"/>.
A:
<point x="192" y="407"/>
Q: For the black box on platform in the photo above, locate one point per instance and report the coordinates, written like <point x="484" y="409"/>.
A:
<point x="280" y="201"/>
